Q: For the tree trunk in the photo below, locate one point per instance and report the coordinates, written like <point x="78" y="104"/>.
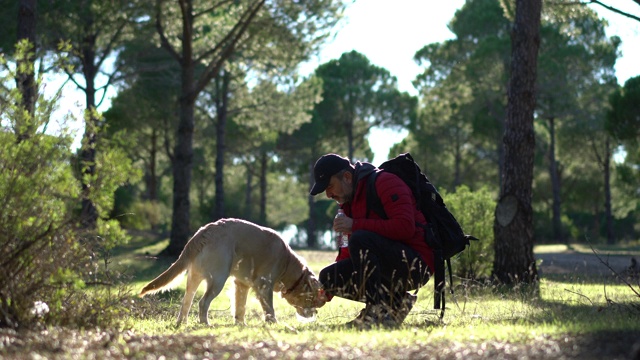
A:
<point x="500" y="151"/>
<point x="152" y="177"/>
<point x="513" y="227"/>
<point x="457" y="177"/>
<point x="248" y="198"/>
<point x="25" y="80"/>
<point x="349" y="123"/>
<point x="182" y="161"/>
<point x="264" y="161"/>
<point x="89" y="215"/>
<point x="312" y="240"/>
<point x="554" y="175"/>
<point x="611" y="239"/>
<point x="222" y="109"/>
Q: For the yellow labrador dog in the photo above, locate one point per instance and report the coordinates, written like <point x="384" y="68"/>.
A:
<point x="256" y="256"/>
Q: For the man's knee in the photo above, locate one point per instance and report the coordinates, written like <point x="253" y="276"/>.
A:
<point x="324" y="277"/>
<point x="359" y="239"/>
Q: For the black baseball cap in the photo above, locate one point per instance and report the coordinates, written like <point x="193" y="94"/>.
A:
<point x="327" y="166"/>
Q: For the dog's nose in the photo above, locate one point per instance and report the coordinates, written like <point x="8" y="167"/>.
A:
<point x="308" y="312"/>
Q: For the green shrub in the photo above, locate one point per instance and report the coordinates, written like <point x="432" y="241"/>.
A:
<point x="474" y="211"/>
<point x="47" y="262"/>
<point x="146" y="215"/>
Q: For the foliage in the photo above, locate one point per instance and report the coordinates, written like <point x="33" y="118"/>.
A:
<point x="623" y="119"/>
<point x="46" y="259"/>
<point x="358" y="95"/>
<point x="457" y="136"/>
<point x="145" y="215"/>
<point x="474" y="211"/>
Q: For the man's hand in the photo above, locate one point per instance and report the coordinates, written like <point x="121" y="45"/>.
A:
<point x="343" y="224"/>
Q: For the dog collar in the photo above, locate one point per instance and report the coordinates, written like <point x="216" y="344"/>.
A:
<point x="295" y="284"/>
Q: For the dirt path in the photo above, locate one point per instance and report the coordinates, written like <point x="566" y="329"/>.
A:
<point x="571" y="262"/>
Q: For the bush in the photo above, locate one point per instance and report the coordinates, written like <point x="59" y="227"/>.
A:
<point x="36" y="235"/>
<point x="146" y="215"/>
<point x="474" y="211"/>
<point x="46" y="260"/>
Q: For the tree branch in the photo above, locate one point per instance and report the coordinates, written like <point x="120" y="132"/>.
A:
<point x="615" y="10"/>
<point x="163" y="38"/>
<point x="167" y="141"/>
<point x="610" y="8"/>
<point x="110" y="80"/>
<point x="230" y="41"/>
<point x="606" y="263"/>
<point x="107" y="50"/>
<point x="222" y="42"/>
<point x="70" y="75"/>
<point x="215" y="6"/>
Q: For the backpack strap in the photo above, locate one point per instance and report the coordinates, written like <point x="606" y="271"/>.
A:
<point x="373" y="199"/>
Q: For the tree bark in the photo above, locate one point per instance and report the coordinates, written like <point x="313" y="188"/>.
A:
<point x="222" y="109"/>
<point x="513" y="227"/>
<point x="152" y="177"/>
<point x="312" y="240"/>
<point x="248" y="198"/>
<point x="611" y="238"/>
<point x="182" y="168"/>
<point x="25" y="80"/>
<point x="89" y="215"/>
<point x="264" y="161"/>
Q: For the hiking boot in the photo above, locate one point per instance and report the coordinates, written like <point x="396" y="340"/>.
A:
<point x="405" y="307"/>
<point x="372" y="316"/>
<point x="360" y="316"/>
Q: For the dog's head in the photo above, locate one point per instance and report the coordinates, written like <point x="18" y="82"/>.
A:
<point x="307" y="296"/>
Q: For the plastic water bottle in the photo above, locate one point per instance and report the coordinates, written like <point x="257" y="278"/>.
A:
<point x="343" y="239"/>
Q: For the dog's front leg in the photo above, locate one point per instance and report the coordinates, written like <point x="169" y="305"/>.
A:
<point x="264" y="292"/>
<point x="241" y="301"/>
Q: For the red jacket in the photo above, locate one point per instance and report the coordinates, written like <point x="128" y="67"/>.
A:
<point x="400" y="207"/>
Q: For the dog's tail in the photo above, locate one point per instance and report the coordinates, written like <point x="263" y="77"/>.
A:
<point x="170" y="277"/>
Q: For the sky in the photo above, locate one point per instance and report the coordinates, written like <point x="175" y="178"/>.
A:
<point x="389" y="36"/>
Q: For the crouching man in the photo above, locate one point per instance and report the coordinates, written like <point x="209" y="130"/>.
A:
<point x="385" y="258"/>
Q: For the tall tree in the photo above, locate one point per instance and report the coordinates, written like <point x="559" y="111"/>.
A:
<point x="25" y="79"/>
<point x="227" y="25"/>
<point x="463" y="101"/>
<point x="306" y="145"/>
<point x="275" y="113"/>
<point x="95" y="30"/>
<point x="623" y="124"/>
<point x="623" y="119"/>
<point x="513" y="228"/>
<point x="575" y="58"/>
<point x="358" y="96"/>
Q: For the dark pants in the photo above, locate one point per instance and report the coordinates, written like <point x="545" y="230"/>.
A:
<point x="380" y="271"/>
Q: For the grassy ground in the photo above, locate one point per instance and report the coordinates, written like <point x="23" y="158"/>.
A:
<point x="575" y="316"/>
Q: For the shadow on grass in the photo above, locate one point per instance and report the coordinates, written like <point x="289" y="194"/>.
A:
<point x="138" y="258"/>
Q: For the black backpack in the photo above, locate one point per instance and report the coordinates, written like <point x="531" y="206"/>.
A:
<point x="442" y="232"/>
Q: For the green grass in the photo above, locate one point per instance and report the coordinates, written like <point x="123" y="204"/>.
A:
<point x="566" y="311"/>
